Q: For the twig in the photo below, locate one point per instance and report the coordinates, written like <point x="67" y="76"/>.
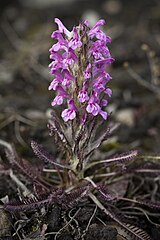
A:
<point x="141" y="81"/>
<point x="146" y="213"/>
<point x="26" y="191"/>
<point x="66" y="224"/>
<point x="89" y="222"/>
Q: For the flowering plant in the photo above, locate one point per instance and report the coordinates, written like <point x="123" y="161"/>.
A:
<point x="79" y="63"/>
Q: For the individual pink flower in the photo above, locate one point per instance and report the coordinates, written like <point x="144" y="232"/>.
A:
<point x="87" y="72"/>
<point x="83" y="95"/>
<point x="108" y="91"/>
<point x="56" y="81"/>
<point x="104" y="102"/>
<point x="62" y="28"/>
<point x="99" y="50"/>
<point x="58" y="100"/>
<point x="75" y="42"/>
<point x="95" y="31"/>
<point x="61" y="44"/>
<point x="103" y="114"/>
<point x="69" y="113"/>
<point x="93" y="107"/>
<point x="53" y="85"/>
<point x="67" y="78"/>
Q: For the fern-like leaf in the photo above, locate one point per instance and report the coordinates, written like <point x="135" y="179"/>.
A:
<point x="26" y="204"/>
<point x="135" y="232"/>
<point x="148" y="203"/>
<point x="105" y="194"/>
<point x="122" y="158"/>
<point x="65" y="200"/>
<point x="33" y="203"/>
<point x="23" y="165"/>
<point x="71" y="199"/>
<point x="42" y="154"/>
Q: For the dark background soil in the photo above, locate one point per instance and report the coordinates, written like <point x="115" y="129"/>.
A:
<point x="26" y="27"/>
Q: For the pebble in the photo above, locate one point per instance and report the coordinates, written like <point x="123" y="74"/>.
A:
<point x="126" y="116"/>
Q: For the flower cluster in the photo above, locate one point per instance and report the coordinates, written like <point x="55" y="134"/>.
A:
<point x="79" y="61"/>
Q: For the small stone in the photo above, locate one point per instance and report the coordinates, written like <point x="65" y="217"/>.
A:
<point x="125" y="116"/>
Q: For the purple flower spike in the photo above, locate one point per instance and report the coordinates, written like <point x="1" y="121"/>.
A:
<point x="79" y="62"/>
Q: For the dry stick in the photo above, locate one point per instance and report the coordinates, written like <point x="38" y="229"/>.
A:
<point x="68" y="223"/>
<point x="139" y="185"/>
<point x="18" y="135"/>
<point x="89" y="222"/>
<point x="6" y="122"/>
<point x="141" y="81"/>
<point x="16" y="118"/>
<point x="146" y="213"/>
<point x="152" y="63"/>
<point x="69" y="214"/>
<point x="101" y="221"/>
<point x="154" y="192"/>
<point x="51" y="170"/>
<point x="138" y="213"/>
<point x="16" y="230"/>
<point x="6" y="144"/>
<point x="26" y="191"/>
<point x="103" y="175"/>
<point x="25" y="120"/>
<point x="132" y="200"/>
<point x="12" y="35"/>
